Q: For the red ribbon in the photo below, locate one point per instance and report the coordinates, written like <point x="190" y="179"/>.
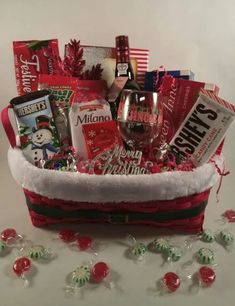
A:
<point x="7" y="126"/>
<point x="156" y="84"/>
<point x="222" y="173"/>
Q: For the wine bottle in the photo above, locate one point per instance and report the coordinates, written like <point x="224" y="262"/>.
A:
<point x="124" y="75"/>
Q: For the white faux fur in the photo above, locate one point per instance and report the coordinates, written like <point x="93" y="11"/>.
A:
<point x="111" y="188"/>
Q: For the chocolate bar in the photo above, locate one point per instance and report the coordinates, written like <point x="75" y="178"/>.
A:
<point x="177" y="97"/>
<point x="37" y="132"/>
<point x="63" y="90"/>
<point x="203" y="129"/>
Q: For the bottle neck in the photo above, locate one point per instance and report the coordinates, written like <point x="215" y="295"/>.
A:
<point x="123" y="64"/>
<point x="122" y="55"/>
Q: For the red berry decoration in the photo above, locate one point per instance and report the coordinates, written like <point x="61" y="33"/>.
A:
<point x="8" y="234"/>
<point x="171" y="281"/>
<point x="67" y="235"/>
<point x="84" y="243"/>
<point x="99" y="272"/>
<point x="21" y="266"/>
<point x="206" y="276"/>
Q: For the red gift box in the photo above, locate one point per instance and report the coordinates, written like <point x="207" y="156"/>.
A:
<point x="100" y="137"/>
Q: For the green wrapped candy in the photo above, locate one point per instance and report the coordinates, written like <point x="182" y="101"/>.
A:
<point x="161" y="245"/>
<point x="208" y="236"/>
<point x="139" y="249"/>
<point x="174" y="253"/>
<point x="37" y="252"/>
<point x="205" y="256"/>
<point x="226" y="237"/>
<point x="81" y="276"/>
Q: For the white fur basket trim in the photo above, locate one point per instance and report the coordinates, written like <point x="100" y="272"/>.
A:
<point x="82" y="187"/>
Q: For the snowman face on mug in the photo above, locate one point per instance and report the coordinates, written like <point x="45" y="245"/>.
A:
<point x="41" y="137"/>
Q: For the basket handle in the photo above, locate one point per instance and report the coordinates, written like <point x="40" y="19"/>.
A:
<point x="8" y="126"/>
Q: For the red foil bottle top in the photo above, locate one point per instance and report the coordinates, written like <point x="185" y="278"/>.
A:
<point x="122" y="42"/>
<point x="122" y="49"/>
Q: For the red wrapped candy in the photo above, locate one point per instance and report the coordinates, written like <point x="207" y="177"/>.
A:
<point x="171" y="281"/>
<point x="21" y="266"/>
<point x="68" y="235"/>
<point x="84" y="243"/>
<point x="206" y="276"/>
<point x="99" y="272"/>
<point x="9" y="234"/>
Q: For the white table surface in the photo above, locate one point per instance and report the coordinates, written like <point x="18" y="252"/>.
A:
<point x="135" y="283"/>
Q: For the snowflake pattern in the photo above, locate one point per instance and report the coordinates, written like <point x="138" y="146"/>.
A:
<point x="90" y="142"/>
<point x="92" y="133"/>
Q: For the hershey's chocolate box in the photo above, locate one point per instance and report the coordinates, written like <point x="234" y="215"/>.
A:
<point x="204" y="128"/>
<point x="178" y="97"/>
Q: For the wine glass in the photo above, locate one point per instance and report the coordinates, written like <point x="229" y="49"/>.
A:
<point x="139" y="118"/>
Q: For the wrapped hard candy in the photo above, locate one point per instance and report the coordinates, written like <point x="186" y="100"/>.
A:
<point x="208" y="236"/>
<point x="11" y="237"/>
<point x="21" y="267"/>
<point x="226" y="237"/>
<point x="170" y="282"/>
<point x="137" y="250"/>
<point x="94" y="272"/>
<point x="99" y="272"/>
<point x="205" y="256"/>
<point x="81" y="276"/>
<point x="174" y="253"/>
<point x="35" y="252"/>
<point x="160" y="245"/>
<point x="206" y="276"/>
<point x="74" y="239"/>
<point x="171" y="252"/>
<point x="203" y="278"/>
<point x="229" y="215"/>
<point x="62" y="161"/>
<point x="39" y="252"/>
<point x="78" y="279"/>
<point x="84" y="243"/>
<point x="67" y="235"/>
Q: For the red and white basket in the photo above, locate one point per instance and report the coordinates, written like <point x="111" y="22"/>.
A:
<point x="172" y="200"/>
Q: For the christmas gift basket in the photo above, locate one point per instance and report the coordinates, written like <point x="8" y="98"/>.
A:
<point x="127" y="157"/>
